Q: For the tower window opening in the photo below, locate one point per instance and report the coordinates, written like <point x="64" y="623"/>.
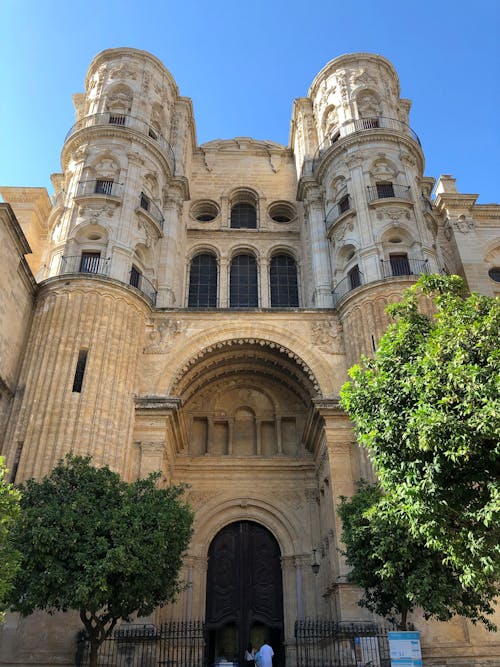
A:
<point x="354" y="277"/>
<point x="117" y="119"/>
<point x="400" y="266"/>
<point x="243" y="216"/>
<point x="104" y="186"/>
<point x="135" y="277"/>
<point x="145" y="202"/>
<point x="80" y="370"/>
<point x="494" y="274"/>
<point x="385" y="190"/>
<point x="344" y="204"/>
<point x="15" y="464"/>
<point x="89" y="262"/>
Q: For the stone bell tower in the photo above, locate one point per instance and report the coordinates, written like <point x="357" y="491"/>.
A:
<point x="371" y="224"/>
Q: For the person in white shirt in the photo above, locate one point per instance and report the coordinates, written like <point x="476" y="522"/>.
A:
<point x="266" y="655"/>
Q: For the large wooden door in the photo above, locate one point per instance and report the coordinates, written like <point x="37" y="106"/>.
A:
<point x="244" y="592"/>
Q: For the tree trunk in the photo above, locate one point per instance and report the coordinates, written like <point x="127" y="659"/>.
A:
<point x="94" y="648"/>
<point x="404" y="617"/>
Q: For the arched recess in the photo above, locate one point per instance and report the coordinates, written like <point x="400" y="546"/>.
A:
<point x="244" y="398"/>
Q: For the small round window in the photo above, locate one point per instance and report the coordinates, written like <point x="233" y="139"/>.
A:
<point x="204" y="211"/>
<point x="282" y="211"/>
<point x="494" y="274"/>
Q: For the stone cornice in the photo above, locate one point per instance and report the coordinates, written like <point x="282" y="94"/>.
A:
<point x="161" y="403"/>
<point x="446" y="200"/>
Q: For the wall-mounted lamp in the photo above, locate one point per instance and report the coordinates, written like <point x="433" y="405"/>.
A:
<point x="315" y="563"/>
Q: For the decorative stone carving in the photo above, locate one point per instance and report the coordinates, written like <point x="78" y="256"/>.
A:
<point x="362" y="76"/>
<point x="123" y="71"/>
<point x="200" y="498"/>
<point x="95" y="213"/>
<point x="464" y="224"/>
<point x="394" y="213"/>
<point x="163" y="335"/>
<point x="368" y="105"/>
<point x="345" y="227"/>
<point x="327" y="335"/>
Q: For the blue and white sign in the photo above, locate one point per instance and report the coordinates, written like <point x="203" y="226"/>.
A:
<point x="404" y="649"/>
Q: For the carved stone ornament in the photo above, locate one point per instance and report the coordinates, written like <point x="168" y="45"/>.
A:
<point x="124" y="71"/>
<point x="362" y="76"/>
<point x="276" y="161"/>
<point x="463" y="224"/>
<point x="149" y="236"/>
<point x="327" y="335"/>
<point x="447" y="229"/>
<point x="95" y="213"/>
<point x="393" y="213"/>
<point x="200" y="498"/>
<point x="347" y="226"/>
<point x="163" y="335"/>
<point x="312" y="495"/>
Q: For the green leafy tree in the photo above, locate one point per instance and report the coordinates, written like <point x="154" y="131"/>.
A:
<point x="396" y="570"/>
<point x="9" y="557"/>
<point x="427" y="408"/>
<point x="94" y="543"/>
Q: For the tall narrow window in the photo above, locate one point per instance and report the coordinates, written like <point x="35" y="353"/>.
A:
<point x="243" y="216"/>
<point x="135" y="277"/>
<point x="400" y="266"/>
<point x="89" y="262"/>
<point x="243" y="289"/>
<point x="15" y="465"/>
<point x="354" y="277"/>
<point x="80" y="371"/>
<point x="283" y="280"/>
<point x="203" y="282"/>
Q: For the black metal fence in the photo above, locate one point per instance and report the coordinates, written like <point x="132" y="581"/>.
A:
<point x="321" y="643"/>
<point x="174" y="644"/>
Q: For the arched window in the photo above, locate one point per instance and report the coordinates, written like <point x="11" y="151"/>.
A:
<point x="243" y="216"/>
<point x="243" y="287"/>
<point x="283" y="280"/>
<point x="203" y="281"/>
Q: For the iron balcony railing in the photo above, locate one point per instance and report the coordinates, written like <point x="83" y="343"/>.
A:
<point x="388" y="190"/>
<point x="144" y="285"/>
<point x="342" y="206"/>
<point x="404" y="266"/>
<point x="125" y="121"/>
<point x="148" y="205"/>
<point x="101" y="186"/>
<point x="354" y="279"/>
<point x="92" y="264"/>
<point x="85" y="264"/>
<point x="362" y="125"/>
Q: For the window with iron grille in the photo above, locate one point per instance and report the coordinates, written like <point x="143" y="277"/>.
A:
<point x="243" y="287"/>
<point x="104" y="186"/>
<point x="135" y="277"/>
<point x="80" y="371"/>
<point x="400" y="266"/>
<point x="89" y="262"/>
<point x="243" y="216"/>
<point x="203" y="282"/>
<point x="385" y="190"/>
<point x="354" y="277"/>
<point x="117" y="119"/>
<point x="283" y="281"/>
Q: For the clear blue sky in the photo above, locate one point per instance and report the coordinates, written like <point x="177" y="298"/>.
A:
<point x="243" y="63"/>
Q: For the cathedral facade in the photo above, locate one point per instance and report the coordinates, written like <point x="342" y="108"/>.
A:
<point x="194" y="309"/>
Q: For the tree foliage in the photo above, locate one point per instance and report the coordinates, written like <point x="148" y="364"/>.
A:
<point x="94" y="543"/>
<point x="9" y="557"/>
<point x="397" y="571"/>
<point x="427" y="408"/>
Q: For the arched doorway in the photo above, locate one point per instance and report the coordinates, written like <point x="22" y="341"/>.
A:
<point x="244" y="593"/>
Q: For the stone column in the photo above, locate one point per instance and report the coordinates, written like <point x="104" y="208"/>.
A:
<point x="223" y="283"/>
<point x="265" y="296"/>
<point x="320" y="258"/>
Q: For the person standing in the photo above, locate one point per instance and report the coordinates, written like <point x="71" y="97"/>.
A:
<point x="266" y="655"/>
<point x="249" y="656"/>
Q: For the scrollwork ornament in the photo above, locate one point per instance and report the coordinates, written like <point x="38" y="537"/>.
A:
<point x="163" y="335"/>
<point x="327" y="335"/>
